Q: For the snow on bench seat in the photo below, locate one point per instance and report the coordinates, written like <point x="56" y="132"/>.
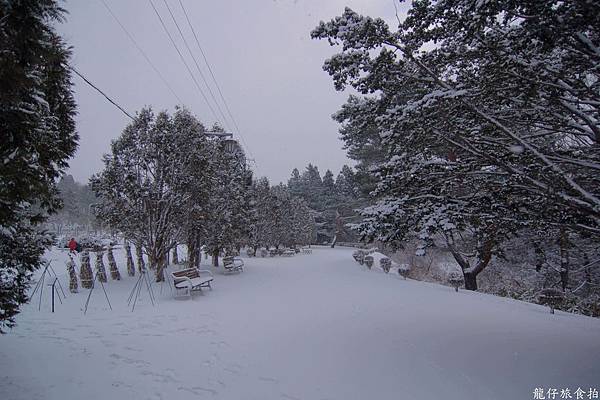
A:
<point x="195" y="282"/>
<point x="191" y="279"/>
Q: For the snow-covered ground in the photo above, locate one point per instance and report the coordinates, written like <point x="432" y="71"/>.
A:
<point x="314" y="326"/>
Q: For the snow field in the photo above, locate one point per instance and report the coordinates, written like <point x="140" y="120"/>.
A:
<point x="315" y="326"/>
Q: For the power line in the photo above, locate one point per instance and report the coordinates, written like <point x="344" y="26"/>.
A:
<point x="101" y="92"/>
<point x="207" y="63"/>
<point x="396" y="9"/>
<point x="196" y="63"/>
<point x="216" y="82"/>
<point x="183" y="60"/>
<point x="142" y="52"/>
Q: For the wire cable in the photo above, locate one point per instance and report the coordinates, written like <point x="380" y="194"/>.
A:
<point x="183" y="60"/>
<point x="142" y="52"/>
<point x="208" y="64"/>
<point x="101" y="92"/>
<point x="216" y="83"/>
<point x="196" y="63"/>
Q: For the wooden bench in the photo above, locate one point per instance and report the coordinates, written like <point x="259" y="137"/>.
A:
<point x="191" y="279"/>
<point x="233" y="264"/>
<point x="288" y="253"/>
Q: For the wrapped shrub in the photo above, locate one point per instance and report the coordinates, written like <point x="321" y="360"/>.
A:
<point x="359" y="256"/>
<point x="112" y="265"/>
<point x="100" y="270"/>
<point x="403" y="270"/>
<point x="73" y="287"/>
<point x="385" y="264"/>
<point x="86" y="275"/>
<point x="456" y="279"/>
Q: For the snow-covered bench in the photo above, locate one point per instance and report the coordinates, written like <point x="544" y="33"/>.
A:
<point x="288" y="253"/>
<point x="233" y="264"/>
<point x="190" y="279"/>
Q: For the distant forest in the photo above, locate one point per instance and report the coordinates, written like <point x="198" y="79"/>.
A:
<point x="76" y="214"/>
<point x="332" y="201"/>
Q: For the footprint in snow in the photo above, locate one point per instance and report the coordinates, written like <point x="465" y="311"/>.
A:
<point x="198" y="390"/>
<point x="160" y="378"/>
<point x="220" y="344"/>
<point x="129" y="361"/>
<point x="287" y="396"/>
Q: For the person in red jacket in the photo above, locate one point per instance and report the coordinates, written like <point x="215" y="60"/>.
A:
<point x="72" y="245"/>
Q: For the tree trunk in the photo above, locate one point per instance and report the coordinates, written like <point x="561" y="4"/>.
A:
<point x="564" y="259"/>
<point x="161" y="263"/>
<point x="140" y="257"/>
<point x="215" y="259"/>
<point x="191" y="251"/>
<point x="175" y="255"/>
<point x="588" y="275"/>
<point x="470" y="281"/>
<point x="198" y="257"/>
<point x="152" y="260"/>
<point x="484" y="256"/>
<point x="539" y="256"/>
<point x="130" y="265"/>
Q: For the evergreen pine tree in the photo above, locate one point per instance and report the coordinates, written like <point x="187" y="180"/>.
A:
<point x="295" y="183"/>
<point x="346" y="185"/>
<point x="142" y="189"/>
<point x="227" y="221"/>
<point x="330" y="195"/>
<point x="38" y="138"/>
<point x="476" y="140"/>
<point x="312" y="186"/>
<point x="261" y="224"/>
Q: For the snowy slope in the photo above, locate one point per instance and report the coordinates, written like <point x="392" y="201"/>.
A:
<point x="307" y="327"/>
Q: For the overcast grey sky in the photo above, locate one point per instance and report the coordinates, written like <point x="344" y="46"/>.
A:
<point x="260" y="51"/>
